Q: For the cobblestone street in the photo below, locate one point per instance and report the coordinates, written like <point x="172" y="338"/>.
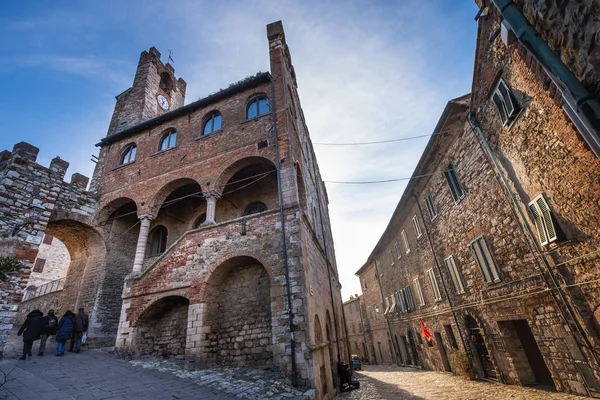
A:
<point x="383" y="382"/>
<point x="96" y="374"/>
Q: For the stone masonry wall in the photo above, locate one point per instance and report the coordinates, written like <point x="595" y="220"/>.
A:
<point x="23" y="183"/>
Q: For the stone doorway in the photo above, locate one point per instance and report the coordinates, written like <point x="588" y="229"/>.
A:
<point x="525" y="353"/>
<point x="413" y="348"/>
<point x="409" y="359"/>
<point x="480" y="349"/>
<point x="442" y="350"/>
<point x="238" y="315"/>
<point x="162" y="328"/>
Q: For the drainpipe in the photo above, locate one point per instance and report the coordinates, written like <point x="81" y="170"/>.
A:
<point x="588" y="108"/>
<point x="439" y="269"/>
<point x="283" y="238"/>
<point x="555" y="289"/>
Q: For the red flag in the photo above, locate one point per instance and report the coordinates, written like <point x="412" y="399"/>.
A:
<point x="424" y="332"/>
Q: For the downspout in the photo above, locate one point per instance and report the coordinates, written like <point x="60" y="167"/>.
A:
<point x="556" y="290"/>
<point x="588" y="107"/>
<point x="387" y="320"/>
<point x="283" y="238"/>
<point x="439" y="269"/>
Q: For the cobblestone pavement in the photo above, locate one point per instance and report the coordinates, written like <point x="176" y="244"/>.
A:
<point x="384" y="382"/>
<point x="96" y="374"/>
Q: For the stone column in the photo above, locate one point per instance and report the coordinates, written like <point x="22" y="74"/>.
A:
<point x="140" y="250"/>
<point x="211" y="205"/>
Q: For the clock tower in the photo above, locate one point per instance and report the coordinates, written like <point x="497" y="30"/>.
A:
<point x="155" y="91"/>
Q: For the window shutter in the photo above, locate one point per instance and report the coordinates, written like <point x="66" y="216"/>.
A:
<point x="547" y="218"/>
<point x="481" y="261"/>
<point x="539" y="223"/>
<point x="489" y="260"/>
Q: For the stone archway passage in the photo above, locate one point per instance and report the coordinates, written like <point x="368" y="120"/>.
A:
<point x="238" y="317"/>
<point x="162" y="328"/>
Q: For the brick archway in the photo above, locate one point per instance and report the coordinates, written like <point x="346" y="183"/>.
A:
<point x="161" y="329"/>
<point x="236" y="316"/>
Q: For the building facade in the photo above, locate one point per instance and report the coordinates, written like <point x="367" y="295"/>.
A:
<point x="356" y="325"/>
<point x="211" y="240"/>
<point x="492" y="249"/>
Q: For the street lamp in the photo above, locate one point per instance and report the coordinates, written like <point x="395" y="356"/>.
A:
<point x="35" y="211"/>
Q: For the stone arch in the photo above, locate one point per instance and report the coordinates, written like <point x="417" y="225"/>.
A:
<point x="166" y="82"/>
<point x="108" y="210"/>
<point x="249" y="180"/>
<point x="221" y="183"/>
<point x="301" y="186"/>
<point x="158" y="198"/>
<point x="118" y="221"/>
<point x="88" y="254"/>
<point x="237" y="319"/>
<point x="161" y="329"/>
<point x="318" y="331"/>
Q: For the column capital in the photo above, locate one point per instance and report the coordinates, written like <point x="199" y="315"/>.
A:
<point x="146" y="216"/>
<point x="212" y="195"/>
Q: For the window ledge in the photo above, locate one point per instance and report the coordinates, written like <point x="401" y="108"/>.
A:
<point x="123" y="165"/>
<point x="433" y="218"/>
<point x="163" y="151"/>
<point x="255" y="118"/>
<point x="208" y="135"/>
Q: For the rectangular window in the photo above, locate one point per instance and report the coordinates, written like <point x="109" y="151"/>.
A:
<point x="39" y="265"/>
<point x="370" y="310"/>
<point x="454" y="275"/>
<point x="397" y="249"/>
<point x="418" y="291"/>
<point x="484" y="258"/>
<point x="391" y="258"/>
<point x="455" y="186"/>
<point x="505" y="102"/>
<point x="450" y="336"/>
<point x="417" y="227"/>
<point x="544" y="220"/>
<point x="378" y="269"/>
<point x="364" y="283"/>
<point x="431" y="207"/>
<point x="405" y="241"/>
<point x="357" y="306"/>
<point x="434" y="285"/>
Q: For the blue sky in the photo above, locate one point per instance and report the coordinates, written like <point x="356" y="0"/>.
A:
<point x="367" y="70"/>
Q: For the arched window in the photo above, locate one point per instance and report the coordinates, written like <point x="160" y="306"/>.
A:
<point x="128" y="155"/>
<point x="257" y="107"/>
<point x="168" y="140"/>
<point x="213" y="124"/>
<point x="255" y="208"/>
<point x="158" y="241"/>
<point x="199" y="221"/>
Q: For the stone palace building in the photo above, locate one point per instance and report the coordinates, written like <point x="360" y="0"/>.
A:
<point x="205" y="234"/>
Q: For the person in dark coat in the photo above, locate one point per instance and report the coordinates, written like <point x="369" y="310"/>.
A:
<point x="31" y="330"/>
<point x="64" y="331"/>
<point x="49" y="329"/>
<point x="81" y="325"/>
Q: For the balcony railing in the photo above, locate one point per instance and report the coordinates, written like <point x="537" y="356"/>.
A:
<point x="53" y="286"/>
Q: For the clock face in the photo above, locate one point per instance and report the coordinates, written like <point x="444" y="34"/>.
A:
<point x="162" y="102"/>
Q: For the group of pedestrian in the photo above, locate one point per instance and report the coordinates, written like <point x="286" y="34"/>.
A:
<point x="38" y="326"/>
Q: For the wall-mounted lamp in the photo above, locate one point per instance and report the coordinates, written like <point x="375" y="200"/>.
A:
<point x="35" y="212"/>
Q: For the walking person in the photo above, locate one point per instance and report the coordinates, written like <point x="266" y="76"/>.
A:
<point x="64" y="331"/>
<point x="31" y="330"/>
<point x="49" y="329"/>
<point x="81" y="326"/>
